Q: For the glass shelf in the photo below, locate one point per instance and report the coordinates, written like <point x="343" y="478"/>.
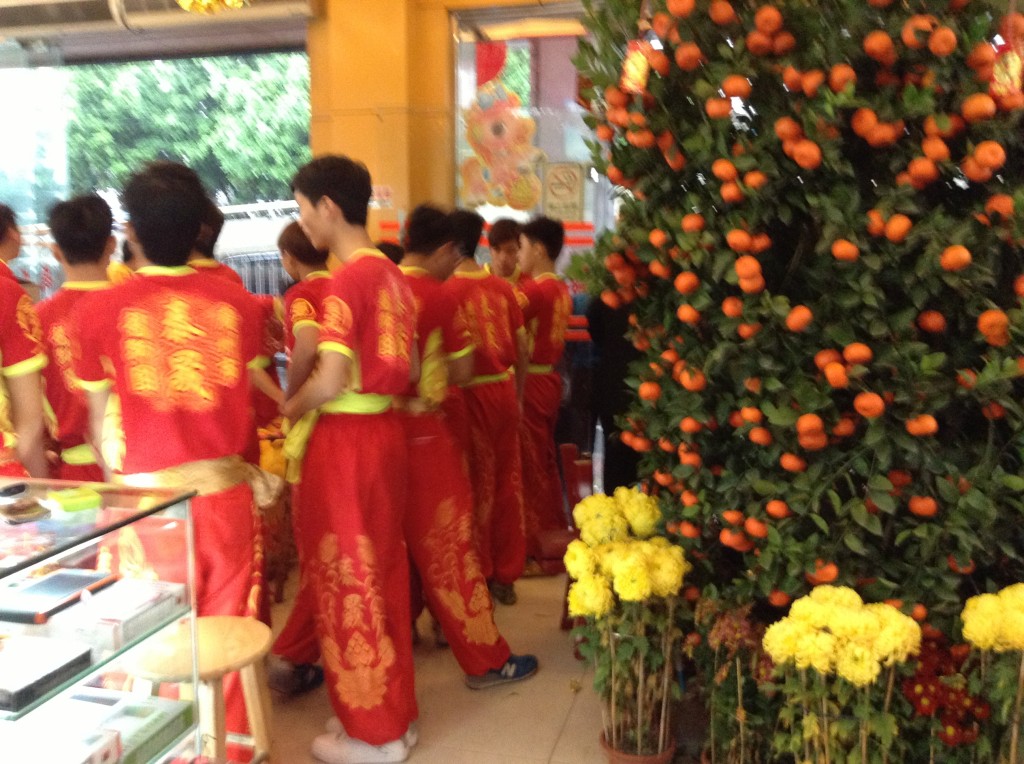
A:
<point x="140" y="541"/>
<point x="28" y="544"/>
<point x="108" y="657"/>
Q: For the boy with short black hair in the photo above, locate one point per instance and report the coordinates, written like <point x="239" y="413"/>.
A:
<point x="547" y="317"/>
<point x="493" y="400"/>
<point x="438" y="524"/>
<point x="175" y="347"/>
<point x="353" y="552"/>
<point x="503" y="239"/>
<point x="81" y="229"/>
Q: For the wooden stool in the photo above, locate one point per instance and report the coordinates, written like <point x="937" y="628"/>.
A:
<point x="226" y="643"/>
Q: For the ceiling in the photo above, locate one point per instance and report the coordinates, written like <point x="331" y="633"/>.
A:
<point x="53" y="32"/>
<point x="554" y="19"/>
<point x="34" y="32"/>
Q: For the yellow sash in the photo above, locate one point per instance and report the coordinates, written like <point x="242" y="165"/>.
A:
<point x="78" y="456"/>
<point x="487" y="379"/>
<point x="296" y="439"/>
<point x="210" y="476"/>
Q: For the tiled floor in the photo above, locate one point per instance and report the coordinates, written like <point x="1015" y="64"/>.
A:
<point x="554" y="717"/>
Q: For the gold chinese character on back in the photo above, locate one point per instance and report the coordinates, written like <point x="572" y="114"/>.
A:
<point x="178" y="326"/>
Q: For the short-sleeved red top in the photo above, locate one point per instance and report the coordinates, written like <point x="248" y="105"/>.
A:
<point x="21" y="349"/>
<point x="303" y="305"/>
<point x="7" y="273"/>
<point x="175" y="346"/>
<point x="214" y="267"/>
<point x="368" y="315"/>
<point x="441" y="334"/>
<point x="489" y="309"/>
<point x="547" y="318"/>
<point x="65" y="395"/>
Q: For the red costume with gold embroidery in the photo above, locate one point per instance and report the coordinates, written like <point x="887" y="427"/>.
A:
<point x="214" y="267"/>
<point x="488" y="307"/>
<point x="439" y="520"/>
<point x="297" y="642"/>
<point x="174" y="345"/>
<point x="7" y="273"/>
<point x="303" y="305"/>
<point x="547" y="316"/>
<point x="353" y="551"/>
<point x="265" y="409"/>
<point x="66" y="397"/>
<point x="21" y="352"/>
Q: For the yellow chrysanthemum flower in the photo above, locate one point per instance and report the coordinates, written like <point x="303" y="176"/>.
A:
<point x="852" y="623"/>
<point x="639" y="509"/>
<point x="856" y="664"/>
<point x="783" y="638"/>
<point x="898" y="636"/>
<point x="843" y="596"/>
<point x="815" y="614"/>
<point x="1013" y="597"/>
<point x="983" y="618"/>
<point x="591" y="596"/>
<point x="1011" y="633"/>
<point x="602" y="530"/>
<point x="579" y="559"/>
<point x="632" y="581"/>
<point x="592" y="507"/>
<point x="609" y="555"/>
<point x="667" y="569"/>
<point x="817" y="652"/>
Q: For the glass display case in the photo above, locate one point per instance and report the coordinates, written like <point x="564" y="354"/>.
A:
<point x="90" y="574"/>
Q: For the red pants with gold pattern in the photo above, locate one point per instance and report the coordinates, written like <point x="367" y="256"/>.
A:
<point x="439" y="534"/>
<point x="494" y="462"/>
<point x="544" y="510"/>
<point x="297" y="642"/>
<point x="355" y="562"/>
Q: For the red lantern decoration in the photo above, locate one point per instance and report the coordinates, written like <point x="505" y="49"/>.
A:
<point x="490" y="60"/>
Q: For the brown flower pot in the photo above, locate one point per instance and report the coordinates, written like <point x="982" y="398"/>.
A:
<point x="621" y="757"/>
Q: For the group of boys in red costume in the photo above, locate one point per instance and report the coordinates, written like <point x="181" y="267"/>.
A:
<point x="524" y="255"/>
<point x="415" y="393"/>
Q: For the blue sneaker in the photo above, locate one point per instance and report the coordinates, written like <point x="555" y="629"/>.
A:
<point x="516" y="668"/>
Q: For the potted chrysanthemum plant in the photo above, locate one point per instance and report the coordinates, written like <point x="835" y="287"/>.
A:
<point x="994" y="625"/>
<point x="626" y="590"/>
<point x="837" y="660"/>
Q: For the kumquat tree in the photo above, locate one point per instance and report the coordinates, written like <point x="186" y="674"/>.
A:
<point x="819" y="246"/>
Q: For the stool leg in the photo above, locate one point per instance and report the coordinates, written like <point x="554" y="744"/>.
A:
<point x="257" y="704"/>
<point x="211" y="713"/>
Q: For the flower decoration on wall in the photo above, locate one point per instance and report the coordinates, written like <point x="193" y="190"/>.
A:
<point x="211" y="6"/>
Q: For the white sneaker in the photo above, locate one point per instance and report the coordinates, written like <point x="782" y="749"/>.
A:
<point x="411" y="736"/>
<point x="338" y="748"/>
<point x="334" y="725"/>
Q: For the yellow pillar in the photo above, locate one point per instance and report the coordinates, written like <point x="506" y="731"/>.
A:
<point x="382" y="90"/>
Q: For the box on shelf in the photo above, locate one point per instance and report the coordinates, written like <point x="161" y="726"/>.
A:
<point x="95" y="747"/>
<point x="123" y="612"/>
<point x="31" y="666"/>
<point x="148" y="725"/>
